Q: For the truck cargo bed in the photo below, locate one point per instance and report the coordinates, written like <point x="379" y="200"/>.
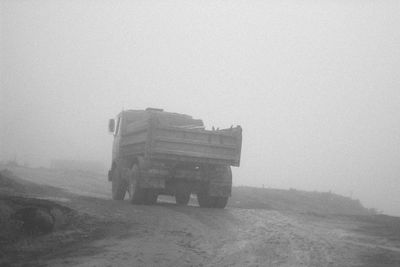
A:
<point x="161" y="142"/>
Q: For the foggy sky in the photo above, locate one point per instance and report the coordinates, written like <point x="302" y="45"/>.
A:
<point x="314" y="84"/>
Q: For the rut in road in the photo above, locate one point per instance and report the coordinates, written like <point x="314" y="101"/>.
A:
<point x="170" y="235"/>
<point x="239" y="237"/>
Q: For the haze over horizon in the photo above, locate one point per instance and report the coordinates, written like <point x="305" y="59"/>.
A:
<point x="314" y="85"/>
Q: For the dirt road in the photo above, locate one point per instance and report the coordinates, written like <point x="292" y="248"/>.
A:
<point x="170" y="235"/>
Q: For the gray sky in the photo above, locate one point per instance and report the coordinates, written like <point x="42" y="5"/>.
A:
<point x="314" y="84"/>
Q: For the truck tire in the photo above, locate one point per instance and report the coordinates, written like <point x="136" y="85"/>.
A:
<point x="182" y="198"/>
<point x="182" y="194"/>
<point x="150" y="197"/>
<point x="204" y="199"/>
<point x="220" y="202"/>
<point x="118" y="186"/>
<point x="136" y="194"/>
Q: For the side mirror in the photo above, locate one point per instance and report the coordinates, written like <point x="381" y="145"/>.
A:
<point x="111" y="125"/>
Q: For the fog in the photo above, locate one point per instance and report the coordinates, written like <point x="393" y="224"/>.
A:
<point x="314" y="84"/>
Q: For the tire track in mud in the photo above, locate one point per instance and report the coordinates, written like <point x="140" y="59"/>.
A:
<point x="238" y="237"/>
<point x="170" y="235"/>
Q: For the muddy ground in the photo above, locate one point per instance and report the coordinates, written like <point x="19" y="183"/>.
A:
<point x="96" y="231"/>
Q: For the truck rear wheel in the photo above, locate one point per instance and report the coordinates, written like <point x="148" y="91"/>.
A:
<point x="220" y="202"/>
<point x="182" y="198"/>
<point x="207" y="201"/>
<point x="150" y="197"/>
<point x="204" y="200"/>
<point x="136" y="194"/>
<point x="118" y="186"/>
<point x="182" y="194"/>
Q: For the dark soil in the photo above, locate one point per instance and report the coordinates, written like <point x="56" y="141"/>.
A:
<point x="34" y="230"/>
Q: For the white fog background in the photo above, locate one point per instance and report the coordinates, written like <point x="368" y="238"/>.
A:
<point x="314" y="84"/>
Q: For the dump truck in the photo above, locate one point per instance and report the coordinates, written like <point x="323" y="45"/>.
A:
<point x="156" y="153"/>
